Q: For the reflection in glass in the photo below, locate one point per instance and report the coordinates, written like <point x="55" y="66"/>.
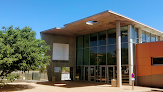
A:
<point x="111" y="38"/>
<point x="96" y="70"/>
<point x="92" y="70"/>
<point x="110" y="74"/>
<point x="78" y="73"/>
<point x="157" y="38"/>
<point x="153" y="38"/>
<point x="147" y="37"/>
<point x="93" y="56"/>
<point x="86" y="56"/>
<point x="86" y="41"/>
<point x="102" y="38"/>
<point x="111" y="54"/>
<point x="98" y="77"/>
<point x="93" y="39"/>
<point x="102" y="55"/>
<point x="133" y="33"/>
<point x="136" y="35"/>
<point x="124" y="53"/>
<point x="124" y="34"/>
<point x="103" y="79"/>
<point x="143" y="37"/>
<point x="125" y="74"/>
<point x="79" y="41"/>
<point x="86" y="73"/>
<point x="79" y="57"/>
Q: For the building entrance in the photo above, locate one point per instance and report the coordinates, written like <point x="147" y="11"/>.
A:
<point x="99" y="73"/>
<point x="89" y="73"/>
<point x="104" y="73"/>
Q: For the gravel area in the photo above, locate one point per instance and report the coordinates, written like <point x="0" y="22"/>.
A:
<point x="69" y="86"/>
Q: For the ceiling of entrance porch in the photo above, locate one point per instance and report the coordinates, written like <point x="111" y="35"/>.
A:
<point x="106" y="20"/>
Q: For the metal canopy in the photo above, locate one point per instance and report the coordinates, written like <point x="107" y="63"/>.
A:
<point x="106" y="20"/>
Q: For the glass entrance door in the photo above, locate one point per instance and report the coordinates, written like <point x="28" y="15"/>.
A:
<point x="103" y="74"/>
<point x="110" y="73"/>
<point x="89" y="73"/>
<point x="92" y="73"/>
<point x="86" y="74"/>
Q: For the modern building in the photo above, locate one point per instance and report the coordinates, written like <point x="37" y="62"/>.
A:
<point x="106" y="46"/>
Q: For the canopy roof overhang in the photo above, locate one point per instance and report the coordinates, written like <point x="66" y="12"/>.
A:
<point x="106" y="20"/>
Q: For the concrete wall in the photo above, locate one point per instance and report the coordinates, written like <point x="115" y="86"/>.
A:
<point x="52" y="38"/>
<point x="147" y="74"/>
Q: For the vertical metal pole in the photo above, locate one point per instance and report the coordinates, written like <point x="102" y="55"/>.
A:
<point x="132" y="84"/>
<point x="130" y="53"/>
<point x="118" y="53"/>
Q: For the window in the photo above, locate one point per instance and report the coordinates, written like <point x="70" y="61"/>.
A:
<point x="93" y="39"/>
<point x="147" y="37"/>
<point x="111" y="39"/>
<point x="86" y="41"/>
<point x="143" y="37"/>
<point x="79" y="42"/>
<point x="102" y="38"/>
<point x="157" y="60"/>
<point x="153" y="38"/>
<point x="124" y="34"/>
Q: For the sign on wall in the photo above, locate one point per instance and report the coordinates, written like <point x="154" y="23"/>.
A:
<point x="60" y="51"/>
<point x="57" y="69"/>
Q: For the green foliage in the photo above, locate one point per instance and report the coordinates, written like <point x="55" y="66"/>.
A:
<point x="65" y="69"/>
<point x="20" y="50"/>
<point x="12" y="77"/>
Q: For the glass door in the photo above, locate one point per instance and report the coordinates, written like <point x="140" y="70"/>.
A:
<point x="92" y="73"/>
<point x="103" y="74"/>
<point x="110" y="73"/>
<point x="86" y="74"/>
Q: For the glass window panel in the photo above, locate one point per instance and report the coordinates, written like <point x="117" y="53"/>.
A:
<point x="124" y="34"/>
<point x="133" y="34"/>
<point x="111" y="38"/>
<point x="125" y="74"/>
<point x="157" y="38"/>
<point x="136" y="35"/>
<point x="93" y="39"/>
<point x="86" y="41"/>
<point x="79" y="41"/>
<point x="102" y="55"/>
<point x="147" y="37"/>
<point x="93" y="56"/>
<point x="86" y="56"/>
<point x="79" y="57"/>
<point x="102" y="38"/>
<point x="158" y="60"/>
<point x="124" y="53"/>
<point x="153" y="38"/>
<point x="78" y="73"/>
<point x="111" y="54"/>
<point x="143" y="37"/>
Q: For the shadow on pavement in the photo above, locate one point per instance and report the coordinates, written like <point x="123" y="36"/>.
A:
<point x="69" y="84"/>
<point x="15" y="87"/>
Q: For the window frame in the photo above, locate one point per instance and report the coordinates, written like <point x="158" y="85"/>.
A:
<point x="155" y="64"/>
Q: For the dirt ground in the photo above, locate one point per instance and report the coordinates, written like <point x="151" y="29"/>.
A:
<point x="70" y="86"/>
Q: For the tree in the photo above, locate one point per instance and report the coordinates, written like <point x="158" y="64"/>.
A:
<point x="20" y="50"/>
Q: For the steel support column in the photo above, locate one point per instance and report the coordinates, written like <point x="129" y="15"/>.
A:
<point x="118" y="54"/>
<point x="130" y="53"/>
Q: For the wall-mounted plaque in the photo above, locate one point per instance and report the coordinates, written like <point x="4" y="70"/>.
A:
<point x="57" y="69"/>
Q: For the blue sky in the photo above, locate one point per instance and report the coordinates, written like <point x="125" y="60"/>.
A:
<point x="41" y="15"/>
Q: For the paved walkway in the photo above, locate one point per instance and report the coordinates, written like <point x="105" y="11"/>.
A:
<point x="70" y="86"/>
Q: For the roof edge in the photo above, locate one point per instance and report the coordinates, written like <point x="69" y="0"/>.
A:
<point x="133" y="20"/>
<point x="86" y="18"/>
